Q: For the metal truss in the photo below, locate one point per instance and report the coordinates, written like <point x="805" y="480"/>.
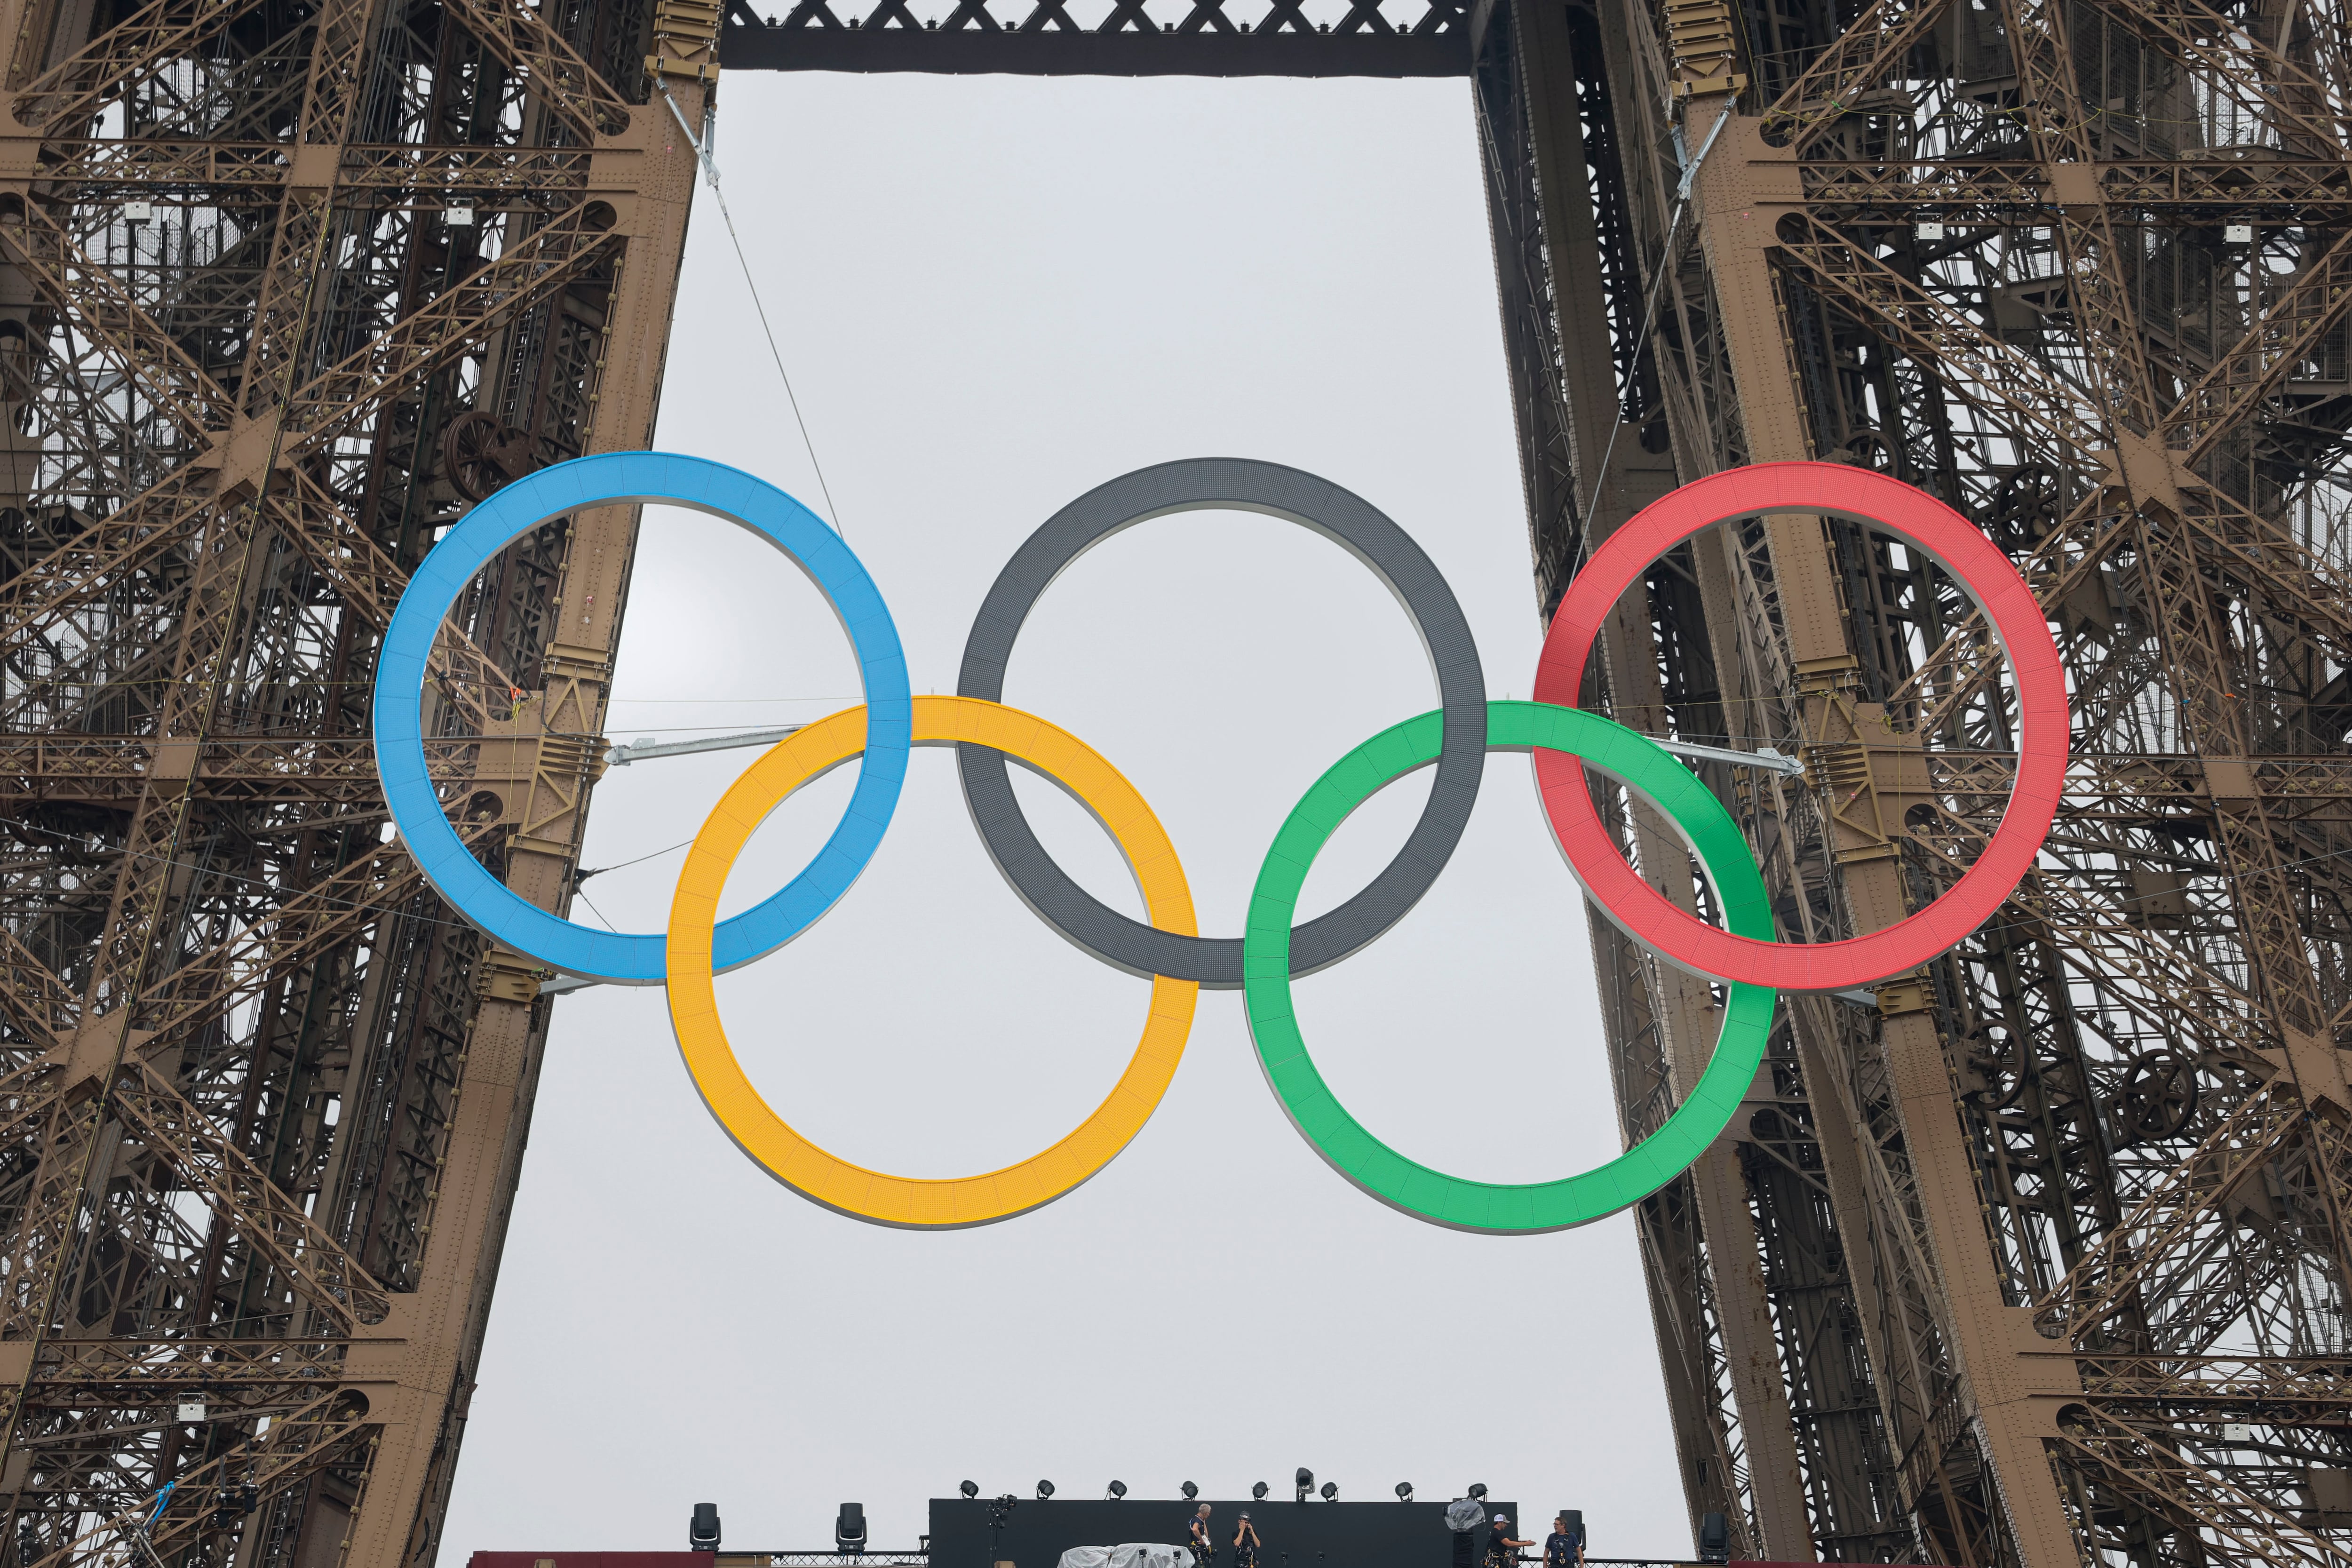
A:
<point x="2051" y="1242"/>
<point x="261" y="1098"/>
<point x="1040" y="38"/>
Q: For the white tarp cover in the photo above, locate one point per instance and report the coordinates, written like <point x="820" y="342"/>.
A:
<point x="1134" y="1555"/>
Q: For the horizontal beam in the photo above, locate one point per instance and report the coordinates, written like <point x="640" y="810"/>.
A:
<point x="1001" y="51"/>
<point x="649" y="747"/>
<point x="1995" y="191"/>
<point x="390" y="176"/>
<point x="1764" y="757"/>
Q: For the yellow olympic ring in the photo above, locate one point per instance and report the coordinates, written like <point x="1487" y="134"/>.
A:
<point x="767" y="1138"/>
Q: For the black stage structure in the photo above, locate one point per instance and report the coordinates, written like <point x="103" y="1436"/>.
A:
<point x="1311" y="1534"/>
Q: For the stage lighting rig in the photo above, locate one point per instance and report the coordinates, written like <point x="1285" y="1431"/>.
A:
<point x="1118" y="1492"/>
<point x="1259" y="1491"/>
<point x="998" y="1510"/>
<point x="1306" y="1482"/>
<point x="1477" y="1492"/>
<point x="1045" y="1490"/>
<point x="1190" y="1491"/>
<point x="970" y="1488"/>
<point x="849" y="1528"/>
<point x="1331" y="1491"/>
<point x="702" y="1532"/>
<point x="1405" y="1492"/>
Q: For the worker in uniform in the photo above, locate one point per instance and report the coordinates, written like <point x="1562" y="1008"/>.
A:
<point x="1204" y="1552"/>
<point x="1502" y="1551"/>
<point x="1563" y="1549"/>
<point x="1245" y="1543"/>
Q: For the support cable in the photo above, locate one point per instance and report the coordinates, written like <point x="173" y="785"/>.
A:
<point x="710" y="172"/>
<point x="1649" y="318"/>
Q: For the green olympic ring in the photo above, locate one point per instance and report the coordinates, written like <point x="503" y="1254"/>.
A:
<point x="1723" y="855"/>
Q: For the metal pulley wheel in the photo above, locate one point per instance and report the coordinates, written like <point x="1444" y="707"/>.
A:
<point x="481" y="455"/>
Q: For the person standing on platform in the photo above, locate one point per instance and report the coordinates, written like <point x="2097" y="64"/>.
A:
<point x="1501" y="1550"/>
<point x="1205" y="1551"/>
<point x="1564" y="1547"/>
<point x="1245" y="1543"/>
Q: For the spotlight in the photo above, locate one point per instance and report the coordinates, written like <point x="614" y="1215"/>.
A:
<point x="702" y="1534"/>
<point x="849" y="1528"/>
<point x="1258" y="1492"/>
<point x="1478" y="1491"/>
<point x="1045" y="1490"/>
<point x="1405" y="1492"/>
<point x="1118" y="1490"/>
<point x="1306" y="1482"/>
<point x="1331" y="1491"/>
<point x="1190" y="1491"/>
<point x="970" y="1488"/>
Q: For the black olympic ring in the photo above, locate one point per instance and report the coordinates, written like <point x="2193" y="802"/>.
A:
<point x="1234" y="484"/>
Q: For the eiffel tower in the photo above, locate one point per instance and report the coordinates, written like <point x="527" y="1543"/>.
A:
<point x="2035" y="1256"/>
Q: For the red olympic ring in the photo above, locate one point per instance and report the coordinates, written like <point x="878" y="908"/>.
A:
<point x="1981" y="569"/>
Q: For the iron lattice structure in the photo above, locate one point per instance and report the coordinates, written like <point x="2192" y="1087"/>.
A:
<point x="2035" y="1256"/>
<point x="284" y="285"/>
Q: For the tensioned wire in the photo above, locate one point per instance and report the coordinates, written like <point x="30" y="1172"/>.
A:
<point x="710" y="172"/>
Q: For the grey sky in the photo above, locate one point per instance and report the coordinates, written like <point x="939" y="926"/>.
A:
<point x="993" y="295"/>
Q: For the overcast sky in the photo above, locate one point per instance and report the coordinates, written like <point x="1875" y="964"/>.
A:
<point x="994" y="294"/>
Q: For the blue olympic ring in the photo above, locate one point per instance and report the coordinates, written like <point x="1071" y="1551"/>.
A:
<point x="618" y="479"/>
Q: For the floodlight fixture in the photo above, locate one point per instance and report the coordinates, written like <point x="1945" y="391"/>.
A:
<point x="1118" y="1491"/>
<point x="1306" y="1480"/>
<point x="1259" y="1491"/>
<point x="970" y="1488"/>
<point x="1045" y="1490"/>
<point x="1190" y="1491"/>
<point x="1331" y="1491"/>
<point x="1477" y="1492"/>
<point x="1405" y="1492"/>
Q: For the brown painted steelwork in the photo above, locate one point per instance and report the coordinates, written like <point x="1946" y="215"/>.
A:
<point x="261" y="1100"/>
<point x="2048" y="1243"/>
<point x="2038" y="1257"/>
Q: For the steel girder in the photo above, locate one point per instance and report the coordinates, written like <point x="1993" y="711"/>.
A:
<point x="261" y="1098"/>
<point x="2053" y="1235"/>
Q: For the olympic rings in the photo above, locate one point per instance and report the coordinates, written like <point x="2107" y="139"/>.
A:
<point x="1169" y="950"/>
<point x="1523" y="1208"/>
<point x="833" y="1181"/>
<point x="1980" y="569"/>
<point x="611" y="478"/>
<point x="1238" y="485"/>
